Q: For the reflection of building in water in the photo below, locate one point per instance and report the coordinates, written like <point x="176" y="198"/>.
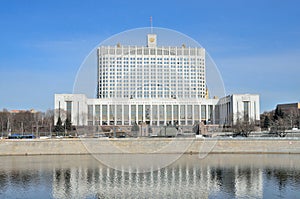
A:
<point x="178" y="181"/>
<point x="238" y="182"/>
<point x="249" y="182"/>
<point x="155" y="85"/>
<point x="109" y="183"/>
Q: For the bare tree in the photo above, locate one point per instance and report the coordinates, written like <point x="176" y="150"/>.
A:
<point x="291" y="118"/>
<point x="243" y="128"/>
<point x="243" y="125"/>
<point x="279" y="127"/>
<point x="49" y="117"/>
<point x="4" y="121"/>
<point x="22" y="121"/>
<point x="26" y="122"/>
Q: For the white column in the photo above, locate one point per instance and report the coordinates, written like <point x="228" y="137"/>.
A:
<point x="185" y="109"/>
<point x="108" y="114"/>
<point x="193" y="115"/>
<point x="213" y="114"/>
<point x="115" y="114"/>
<point x="101" y="114"/>
<point x="172" y="114"/>
<point x="137" y="113"/>
<point x="179" y="122"/>
<point x="122" y="112"/>
<point x="144" y="113"/>
<point x="129" y="112"/>
<point x="165" y="110"/>
<point x="200" y="111"/>
<point x="151" y="114"/>
<point x="206" y="113"/>
<point x="93" y="114"/>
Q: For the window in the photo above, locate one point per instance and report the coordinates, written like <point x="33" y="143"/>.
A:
<point x="97" y="112"/>
<point x="189" y="112"/>
<point x="182" y="112"/>
<point x="112" y="115"/>
<point x="246" y="110"/>
<point x="203" y="112"/>
<point x="119" y="113"/>
<point x="175" y="112"/>
<point x="196" y="113"/>
<point x="169" y="112"/>
<point x="161" y="113"/>
<point x="210" y="113"/>
<point x="126" y="114"/>
<point x="69" y="109"/>
<point x="140" y="113"/>
<point x="133" y="114"/>
<point x="90" y="112"/>
<point x="104" y="113"/>
<point x="147" y="112"/>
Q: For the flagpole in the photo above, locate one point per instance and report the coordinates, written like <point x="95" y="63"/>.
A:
<point x="151" y="25"/>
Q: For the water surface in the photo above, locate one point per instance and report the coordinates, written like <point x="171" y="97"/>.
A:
<point x="216" y="176"/>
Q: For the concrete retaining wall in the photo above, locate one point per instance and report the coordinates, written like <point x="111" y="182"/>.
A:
<point x="147" y="145"/>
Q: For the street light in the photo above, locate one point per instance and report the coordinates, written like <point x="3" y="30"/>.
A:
<point x="22" y="128"/>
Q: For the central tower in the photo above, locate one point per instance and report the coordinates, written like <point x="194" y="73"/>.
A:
<point x="151" y="71"/>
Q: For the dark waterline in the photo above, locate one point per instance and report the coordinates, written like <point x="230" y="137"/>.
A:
<point x="216" y="176"/>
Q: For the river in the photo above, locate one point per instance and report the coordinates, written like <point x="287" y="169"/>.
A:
<point x="215" y="176"/>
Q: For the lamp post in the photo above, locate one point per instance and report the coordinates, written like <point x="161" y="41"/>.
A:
<point x="65" y="129"/>
<point x="22" y="128"/>
<point x="37" y="128"/>
<point x="8" y="129"/>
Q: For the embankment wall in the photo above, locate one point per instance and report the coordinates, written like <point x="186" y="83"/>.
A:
<point x="147" y="145"/>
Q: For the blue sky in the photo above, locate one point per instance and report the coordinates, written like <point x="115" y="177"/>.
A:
<point x="255" y="44"/>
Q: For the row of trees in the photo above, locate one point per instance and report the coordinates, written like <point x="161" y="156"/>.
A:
<point x="25" y="121"/>
<point x="32" y="122"/>
<point x="278" y="122"/>
<point x="275" y="121"/>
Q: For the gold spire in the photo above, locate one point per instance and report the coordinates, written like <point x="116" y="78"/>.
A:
<point x="206" y="93"/>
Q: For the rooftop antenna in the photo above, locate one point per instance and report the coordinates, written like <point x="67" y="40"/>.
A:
<point x="151" y="25"/>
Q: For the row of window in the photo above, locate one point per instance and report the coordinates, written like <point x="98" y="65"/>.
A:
<point x="140" y="76"/>
<point x="166" y="80"/>
<point x="146" y="59"/>
<point x="149" y="51"/>
<point x="104" y="58"/>
<point x="156" y="69"/>
<point x="148" y="112"/>
<point x="152" y="66"/>
<point x="106" y="63"/>
<point x="153" y="89"/>
<point x="136" y="85"/>
<point x="152" y="95"/>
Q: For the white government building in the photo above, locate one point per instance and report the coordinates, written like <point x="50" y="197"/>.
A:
<point x="153" y="85"/>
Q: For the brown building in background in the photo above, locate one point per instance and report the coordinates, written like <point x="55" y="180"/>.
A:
<point x="290" y="109"/>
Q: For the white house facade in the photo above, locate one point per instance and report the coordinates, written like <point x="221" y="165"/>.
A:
<point x="153" y="85"/>
<point x="225" y="111"/>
